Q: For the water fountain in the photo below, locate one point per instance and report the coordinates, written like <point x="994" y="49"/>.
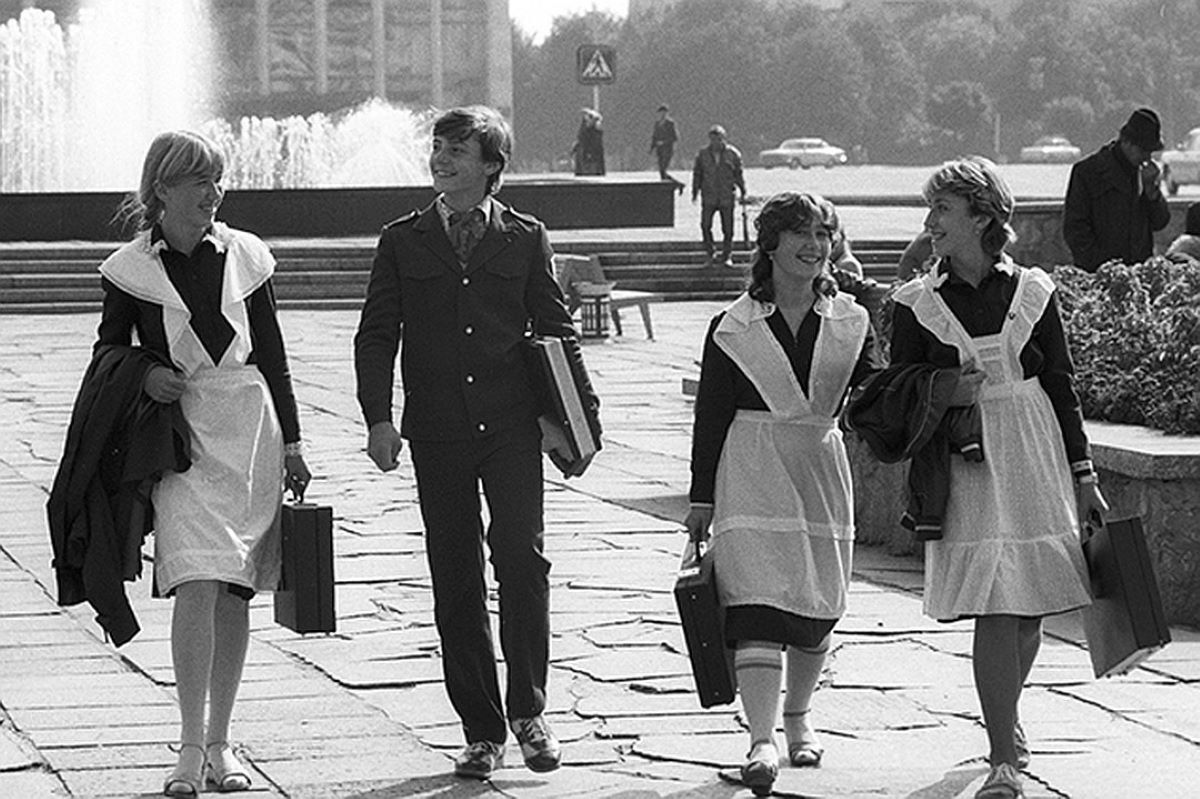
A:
<point x="80" y="104"/>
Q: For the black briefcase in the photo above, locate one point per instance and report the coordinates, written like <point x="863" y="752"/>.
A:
<point x="1125" y="623"/>
<point x="703" y="621"/>
<point x="304" y="599"/>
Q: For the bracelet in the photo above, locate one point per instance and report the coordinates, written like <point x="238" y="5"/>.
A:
<point x="1088" y="478"/>
<point x="294" y="448"/>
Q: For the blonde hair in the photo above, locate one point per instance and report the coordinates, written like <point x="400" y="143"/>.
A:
<point x="173" y="156"/>
<point x="976" y="179"/>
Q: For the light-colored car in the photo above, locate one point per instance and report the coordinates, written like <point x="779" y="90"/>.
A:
<point x="1051" y="150"/>
<point x="1181" y="165"/>
<point x="803" y="153"/>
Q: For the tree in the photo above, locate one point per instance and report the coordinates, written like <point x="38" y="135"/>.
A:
<point x="963" y="112"/>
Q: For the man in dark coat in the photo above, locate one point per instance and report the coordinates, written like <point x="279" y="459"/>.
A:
<point x="662" y="144"/>
<point x="716" y="175"/>
<point x="1114" y="201"/>
<point x="456" y="286"/>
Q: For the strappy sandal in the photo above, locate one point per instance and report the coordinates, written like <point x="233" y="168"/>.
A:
<point x="759" y="774"/>
<point x="1021" y="744"/>
<point x="182" y="782"/>
<point x="806" y="752"/>
<point x="227" y="774"/>
<point x="1003" y="782"/>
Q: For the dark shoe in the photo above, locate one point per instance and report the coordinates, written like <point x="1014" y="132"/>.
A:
<point x="539" y="747"/>
<point x="761" y="768"/>
<point x="479" y="760"/>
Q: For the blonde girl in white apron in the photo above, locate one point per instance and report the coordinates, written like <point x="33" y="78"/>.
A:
<point x="770" y="474"/>
<point x="215" y="525"/>
<point x="1010" y="552"/>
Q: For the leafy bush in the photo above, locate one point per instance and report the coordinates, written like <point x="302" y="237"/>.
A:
<point x="1134" y="332"/>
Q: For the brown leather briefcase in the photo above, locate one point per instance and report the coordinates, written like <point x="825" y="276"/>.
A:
<point x="304" y="599"/>
<point x="703" y="621"/>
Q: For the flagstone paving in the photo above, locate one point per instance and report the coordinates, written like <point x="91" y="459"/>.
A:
<point x="362" y="713"/>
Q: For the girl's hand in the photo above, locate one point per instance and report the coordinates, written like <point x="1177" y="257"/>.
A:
<point x="298" y="477"/>
<point x="163" y="384"/>
<point x="1091" y="503"/>
<point x="698" y="522"/>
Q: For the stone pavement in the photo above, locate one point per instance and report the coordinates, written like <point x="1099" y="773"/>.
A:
<point x="362" y="713"/>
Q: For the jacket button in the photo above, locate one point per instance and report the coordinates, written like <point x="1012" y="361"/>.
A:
<point x="469" y="330"/>
<point x="481" y="427"/>
<point x="470" y="378"/>
<point x="466" y="281"/>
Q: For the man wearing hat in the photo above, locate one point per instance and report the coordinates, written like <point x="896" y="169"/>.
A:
<point x="715" y="176"/>
<point x="1114" y="201"/>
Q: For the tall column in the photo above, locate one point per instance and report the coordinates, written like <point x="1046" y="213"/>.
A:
<point x="436" y="57"/>
<point x="321" y="36"/>
<point x="499" y="66"/>
<point x="379" y="47"/>
<point x="262" y="45"/>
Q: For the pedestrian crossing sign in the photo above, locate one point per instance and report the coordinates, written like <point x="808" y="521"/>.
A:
<point x="596" y="63"/>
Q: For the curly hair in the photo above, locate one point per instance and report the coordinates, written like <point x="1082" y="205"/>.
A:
<point x="976" y="179"/>
<point x="792" y="211"/>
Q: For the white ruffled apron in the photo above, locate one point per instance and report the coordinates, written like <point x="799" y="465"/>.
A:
<point x="783" y="526"/>
<point x="219" y="520"/>
<point x="1010" y="532"/>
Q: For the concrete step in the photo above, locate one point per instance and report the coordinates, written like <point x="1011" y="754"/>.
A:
<point x="63" y="276"/>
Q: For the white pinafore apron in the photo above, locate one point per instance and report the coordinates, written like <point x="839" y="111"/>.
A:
<point x="219" y="520"/>
<point x="1010" y="533"/>
<point x="783" y="526"/>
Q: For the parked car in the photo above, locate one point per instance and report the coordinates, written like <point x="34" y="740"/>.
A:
<point x="1050" y="150"/>
<point x="803" y="153"/>
<point x="1181" y="165"/>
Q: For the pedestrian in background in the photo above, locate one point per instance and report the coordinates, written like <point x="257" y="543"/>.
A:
<point x="716" y="179"/>
<point x="1114" y="201"/>
<point x="588" y="151"/>
<point x="460" y="283"/>
<point x="199" y="294"/>
<point x="770" y="475"/>
<point x="1010" y="552"/>
<point x="662" y="144"/>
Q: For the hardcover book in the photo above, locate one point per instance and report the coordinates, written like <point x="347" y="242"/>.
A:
<point x="568" y="423"/>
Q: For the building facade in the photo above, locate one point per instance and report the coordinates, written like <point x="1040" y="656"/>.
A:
<point x="279" y="57"/>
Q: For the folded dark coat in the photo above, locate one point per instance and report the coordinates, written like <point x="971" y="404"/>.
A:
<point x="119" y="444"/>
<point x="904" y="413"/>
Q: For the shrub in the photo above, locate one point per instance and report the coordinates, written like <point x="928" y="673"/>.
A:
<point x="1134" y="332"/>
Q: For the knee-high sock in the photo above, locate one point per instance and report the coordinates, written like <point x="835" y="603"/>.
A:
<point x="759" y="667"/>
<point x="803" y="672"/>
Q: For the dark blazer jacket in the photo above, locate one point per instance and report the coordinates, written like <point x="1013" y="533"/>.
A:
<point x="1103" y="215"/>
<point x="465" y="328"/>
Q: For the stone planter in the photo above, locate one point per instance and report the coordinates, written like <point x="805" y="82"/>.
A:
<point x="1142" y="473"/>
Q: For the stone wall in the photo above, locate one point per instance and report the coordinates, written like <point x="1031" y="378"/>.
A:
<point x="1039" y="232"/>
<point x="1142" y="473"/>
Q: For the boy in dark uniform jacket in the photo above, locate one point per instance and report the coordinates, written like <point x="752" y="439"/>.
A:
<point x="461" y="282"/>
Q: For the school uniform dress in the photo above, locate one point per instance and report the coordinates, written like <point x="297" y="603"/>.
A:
<point x="768" y="454"/>
<point x="212" y="314"/>
<point x="1010" y="533"/>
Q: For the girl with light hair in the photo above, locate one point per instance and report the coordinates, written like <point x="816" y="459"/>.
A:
<point x="1009" y="553"/>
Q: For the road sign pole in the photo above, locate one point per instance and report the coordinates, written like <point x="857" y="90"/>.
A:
<point x="596" y="97"/>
